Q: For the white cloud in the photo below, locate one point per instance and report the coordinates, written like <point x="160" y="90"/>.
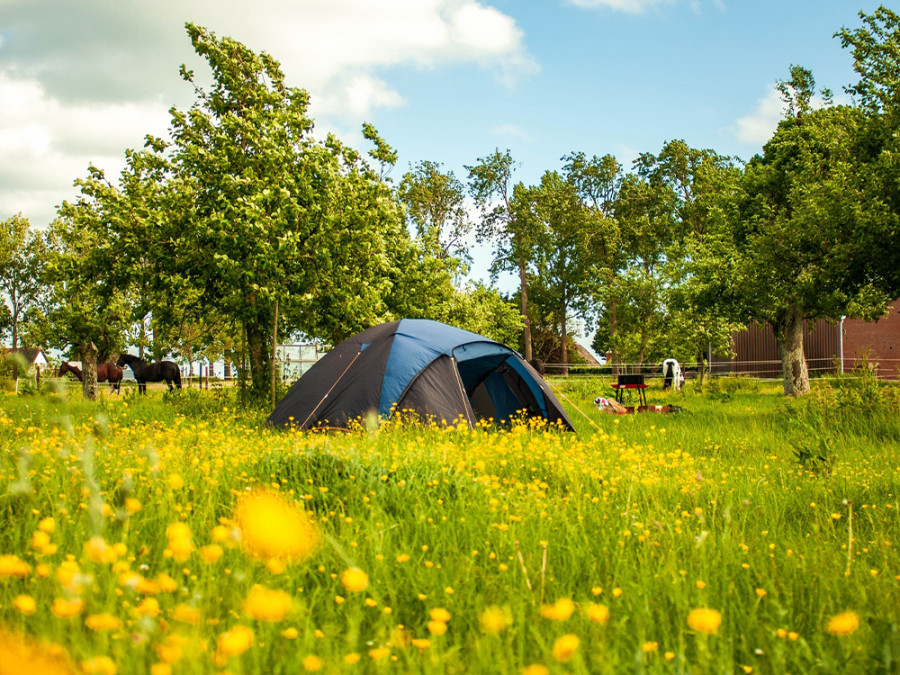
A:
<point x="757" y="127"/>
<point x="46" y="144"/>
<point x="511" y="131"/>
<point x="91" y="82"/>
<point x="630" y="6"/>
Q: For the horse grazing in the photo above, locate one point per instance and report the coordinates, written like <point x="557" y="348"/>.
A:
<point x="151" y="372"/>
<point x="106" y="372"/>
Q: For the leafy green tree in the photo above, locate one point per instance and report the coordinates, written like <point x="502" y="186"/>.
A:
<point x="561" y="259"/>
<point x="242" y="212"/>
<point x="435" y="205"/>
<point x="875" y="47"/>
<point x="23" y="253"/>
<point x="597" y="181"/>
<point x="491" y="186"/>
<point x="798" y="248"/>
<point x="88" y="313"/>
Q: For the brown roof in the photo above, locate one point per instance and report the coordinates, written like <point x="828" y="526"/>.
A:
<point x="31" y="354"/>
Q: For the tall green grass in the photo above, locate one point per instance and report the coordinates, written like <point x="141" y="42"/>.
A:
<point x="777" y="514"/>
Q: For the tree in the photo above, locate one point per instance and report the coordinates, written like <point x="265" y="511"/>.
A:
<point x="561" y="257"/>
<point x="703" y="184"/>
<point x="435" y="205"/>
<point x="597" y="181"/>
<point x="89" y="314"/>
<point x="875" y="47"/>
<point x="242" y="212"/>
<point x="23" y="253"/>
<point x="490" y="184"/>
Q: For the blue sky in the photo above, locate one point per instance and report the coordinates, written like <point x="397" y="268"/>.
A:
<point x="443" y="80"/>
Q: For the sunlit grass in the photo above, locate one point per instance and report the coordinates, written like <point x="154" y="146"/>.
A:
<point x="696" y="541"/>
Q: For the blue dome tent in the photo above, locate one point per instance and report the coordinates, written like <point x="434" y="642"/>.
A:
<point x="424" y="367"/>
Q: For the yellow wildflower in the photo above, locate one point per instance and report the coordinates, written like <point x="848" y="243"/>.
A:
<point x="148" y="607"/>
<point x="264" y="604"/>
<point x="12" y="566"/>
<point x="180" y="545"/>
<point x="597" y="613"/>
<point x="559" y="611"/>
<point x="186" y="614"/>
<point x="312" y="663"/>
<point x="649" y="647"/>
<point x="535" y="669"/>
<point x="66" y="609"/>
<point x="19" y="654"/>
<point x="565" y="646"/>
<point x="439" y="614"/>
<point x="211" y="553"/>
<point x="25" y="604"/>
<point x="494" y="620"/>
<point x="380" y="653"/>
<point x="437" y="627"/>
<point x="843" y="623"/>
<point x="103" y="622"/>
<point x="99" y="665"/>
<point x="272" y="527"/>
<point x="99" y="551"/>
<point x="704" y="620"/>
<point x="236" y="641"/>
<point x="355" y="580"/>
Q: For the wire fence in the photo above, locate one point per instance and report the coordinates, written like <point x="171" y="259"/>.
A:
<point x="887" y="369"/>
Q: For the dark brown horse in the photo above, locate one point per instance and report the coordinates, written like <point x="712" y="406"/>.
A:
<point x="151" y="372"/>
<point x="106" y="372"/>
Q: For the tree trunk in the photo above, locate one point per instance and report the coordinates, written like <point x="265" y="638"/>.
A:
<point x="614" y="353"/>
<point x="89" y="388"/>
<point x="788" y="330"/>
<point x="564" y="347"/>
<point x="526" y="322"/>
<point x="259" y="362"/>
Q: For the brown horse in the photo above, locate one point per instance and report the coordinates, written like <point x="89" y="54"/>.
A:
<point x="106" y="372"/>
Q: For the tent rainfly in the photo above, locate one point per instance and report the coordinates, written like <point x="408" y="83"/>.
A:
<point x="427" y="368"/>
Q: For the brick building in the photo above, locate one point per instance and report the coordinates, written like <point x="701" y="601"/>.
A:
<point x="826" y="346"/>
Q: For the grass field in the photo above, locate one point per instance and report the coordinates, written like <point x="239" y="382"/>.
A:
<point x="174" y="534"/>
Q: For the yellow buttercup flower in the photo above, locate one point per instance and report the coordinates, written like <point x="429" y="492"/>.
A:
<point x="535" y="669"/>
<point x="494" y="620"/>
<point x="312" y="663"/>
<point x="12" y="566"/>
<point x="843" y="623"/>
<point x="437" y="627"/>
<point x="561" y="610"/>
<point x="180" y="544"/>
<point x="99" y="665"/>
<point x="704" y="620"/>
<point x="66" y="609"/>
<point x="439" y="614"/>
<point x="236" y="641"/>
<point x="211" y="553"/>
<point x="264" y="604"/>
<point x="19" y="654"/>
<point x="355" y="580"/>
<point x="103" y="622"/>
<point x="565" y="647"/>
<point x="597" y="613"/>
<point x="272" y="527"/>
<point x="25" y="604"/>
<point x="186" y="614"/>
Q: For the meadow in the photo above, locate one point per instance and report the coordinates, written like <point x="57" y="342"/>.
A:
<point x="173" y="534"/>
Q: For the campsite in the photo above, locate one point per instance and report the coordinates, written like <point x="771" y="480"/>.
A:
<point x="450" y="337"/>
